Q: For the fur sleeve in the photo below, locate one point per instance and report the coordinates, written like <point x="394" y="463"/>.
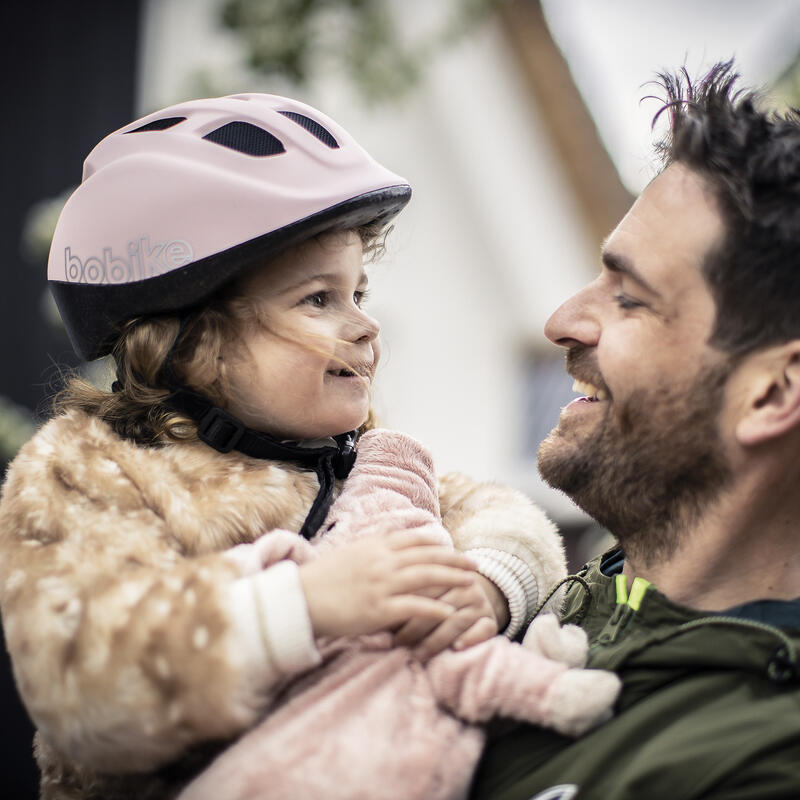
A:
<point x="121" y="647"/>
<point x="488" y="515"/>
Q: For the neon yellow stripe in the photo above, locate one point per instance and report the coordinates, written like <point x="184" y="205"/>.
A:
<point x="622" y="589"/>
<point x="640" y="586"/>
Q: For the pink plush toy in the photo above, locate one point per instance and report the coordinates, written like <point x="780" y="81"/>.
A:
<point x="372" y="721"/>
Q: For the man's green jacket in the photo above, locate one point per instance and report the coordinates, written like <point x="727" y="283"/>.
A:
<point x="710" y="705"/>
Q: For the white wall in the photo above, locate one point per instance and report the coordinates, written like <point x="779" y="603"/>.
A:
<point x="616" y="46"/>
<point x="488" y="247"/>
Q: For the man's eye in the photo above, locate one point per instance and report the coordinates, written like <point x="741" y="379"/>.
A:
<point x="318" y="299"/>
<point x="360" y="297"/>
<point x="623" y="301"/>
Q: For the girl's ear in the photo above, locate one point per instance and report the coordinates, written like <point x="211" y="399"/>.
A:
<point x="771" y="405"/>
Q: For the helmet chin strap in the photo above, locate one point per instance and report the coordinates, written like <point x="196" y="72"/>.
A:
<point x="224" y="432"/>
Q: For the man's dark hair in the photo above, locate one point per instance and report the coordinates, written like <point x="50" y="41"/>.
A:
<point x="751" y="160"/>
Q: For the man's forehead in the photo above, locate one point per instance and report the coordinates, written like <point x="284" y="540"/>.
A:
<point x="673" y="224"/>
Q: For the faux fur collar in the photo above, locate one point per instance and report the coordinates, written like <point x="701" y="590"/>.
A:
<point x="208" y="500"/>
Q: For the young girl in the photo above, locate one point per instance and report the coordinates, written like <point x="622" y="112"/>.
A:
<point x="215" y="249"/>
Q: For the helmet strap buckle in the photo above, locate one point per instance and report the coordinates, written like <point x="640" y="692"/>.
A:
<point x="220" y="430"/>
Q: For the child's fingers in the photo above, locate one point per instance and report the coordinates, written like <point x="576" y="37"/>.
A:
<point x="444" y="634"/>
<point x="414" y="631"/>
<point x="397" y="540"/>
<point x="426" y="576"/>
<point x="412" y="606"/>
<point x="472" y="623"/>
<point x="480" y="630"/>
<point x="433" y="554"/>
<point x="415" y="543"/>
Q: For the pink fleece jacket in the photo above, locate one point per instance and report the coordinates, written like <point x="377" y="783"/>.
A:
<point x="373" y="722"/>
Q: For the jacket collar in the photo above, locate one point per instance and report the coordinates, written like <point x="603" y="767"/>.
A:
<point x="635" y="628"/>
<point x="781" y="613"/>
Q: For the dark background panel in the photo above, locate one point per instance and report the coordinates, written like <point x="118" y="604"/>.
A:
<point x="67" y="72"/>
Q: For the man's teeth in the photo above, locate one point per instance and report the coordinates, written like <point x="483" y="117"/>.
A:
<point x="589" y="390"/>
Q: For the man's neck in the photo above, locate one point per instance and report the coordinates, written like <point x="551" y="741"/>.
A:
<point x="739" y="551"/>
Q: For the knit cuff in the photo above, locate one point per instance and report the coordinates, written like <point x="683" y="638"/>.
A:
<point x="514" y="579"/>
<point x="271" y="619"/>
<point x="283" y="614"/>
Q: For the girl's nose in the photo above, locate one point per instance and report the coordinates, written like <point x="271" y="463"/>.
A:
<point x="574" y="321"/>
<point x="364" y="327"/>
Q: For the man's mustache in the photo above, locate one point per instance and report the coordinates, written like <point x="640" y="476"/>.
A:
<point x="581" y="364"/>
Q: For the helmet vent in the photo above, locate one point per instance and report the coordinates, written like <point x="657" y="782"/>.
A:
<point x="246" y="138"/>
<point x="158" y="124"/>
<point x="313" y="127"/>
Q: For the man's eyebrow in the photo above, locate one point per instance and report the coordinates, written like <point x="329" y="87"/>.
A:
<point x="615" y="262"/>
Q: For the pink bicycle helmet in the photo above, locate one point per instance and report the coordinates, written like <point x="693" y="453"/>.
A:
<point x="178" y="203"/>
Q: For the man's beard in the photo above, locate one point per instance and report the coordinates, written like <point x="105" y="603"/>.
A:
<point x="648" y="469"/>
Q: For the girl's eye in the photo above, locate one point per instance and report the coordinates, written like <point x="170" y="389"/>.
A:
<point x="625" y="302"/>
<point x="360" y="297"/>
<point x="318" y="299"/>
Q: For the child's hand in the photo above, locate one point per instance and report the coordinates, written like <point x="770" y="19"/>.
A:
<point x="480" y="612"/>
<point x="378" y="584"/>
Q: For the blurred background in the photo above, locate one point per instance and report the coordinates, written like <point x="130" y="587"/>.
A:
<point x="519" y="124"/>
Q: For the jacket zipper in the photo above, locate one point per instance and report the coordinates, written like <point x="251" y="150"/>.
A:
<point x="626" y="608"/>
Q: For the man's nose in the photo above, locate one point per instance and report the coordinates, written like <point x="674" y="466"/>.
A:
<point x="575" y="321"/>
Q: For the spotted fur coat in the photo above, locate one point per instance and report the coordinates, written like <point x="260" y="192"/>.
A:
<point x="113" y="567"/>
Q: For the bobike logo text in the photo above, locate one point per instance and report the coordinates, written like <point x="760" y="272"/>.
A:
<point x="143" y="260"/>
<point x="565" y="791"/>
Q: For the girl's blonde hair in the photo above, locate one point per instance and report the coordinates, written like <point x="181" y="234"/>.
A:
<point x="137" y="408"/>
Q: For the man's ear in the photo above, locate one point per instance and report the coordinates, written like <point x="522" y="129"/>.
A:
<point x="771" y="394"/>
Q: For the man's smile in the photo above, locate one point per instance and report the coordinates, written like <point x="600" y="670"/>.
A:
<point x="589" y="390"/>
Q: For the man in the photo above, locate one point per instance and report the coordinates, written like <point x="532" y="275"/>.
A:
<point x="686" y="446"/>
